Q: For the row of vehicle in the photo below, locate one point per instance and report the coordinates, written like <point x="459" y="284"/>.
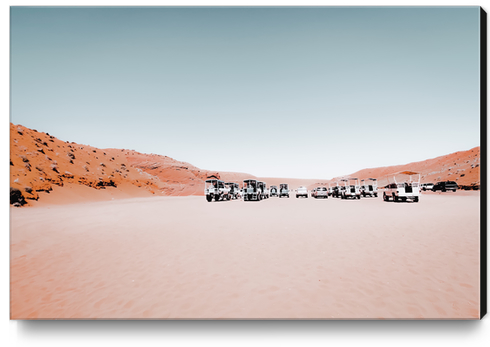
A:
<point x="218" y="190"/>
<point x="252" y="190"/>
<point x="353" y="188"/>
<point x="442" y="186"/>
<point x="399" y="190"/>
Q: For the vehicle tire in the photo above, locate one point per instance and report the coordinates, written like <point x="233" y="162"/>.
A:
<point x="385" y="198"/>
<point x="395" y="199"/>
<point x="404" y="199"/>
<point x="375" y="195"/>
<point x="216" y="198"/>
<point x="444" y="190"/>
<point x="359" y="197"/>
<point x="209" y="198"/>
<point x="416" y="199"/>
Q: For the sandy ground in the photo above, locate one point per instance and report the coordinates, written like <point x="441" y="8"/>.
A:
<point x="181" y="257"/>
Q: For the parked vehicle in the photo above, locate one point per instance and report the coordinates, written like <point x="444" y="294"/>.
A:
<point x="283" y="190"/>
<point x="426" y="186"/>
<point x="216" y="189"/>
<point x="274" y="191"/>
<point x="302" y="191"/>
<point x="263" y="189"/>
<point x="406" y="187"/>
<point x="234" y="190"/>
<point x="351" y="188"/>
<point x="369" y="187"/>
<point x="444" y="186"/>
<point x="251" y="190"/>
<point x="320" y="192"/>
<point x="334" y="190"/>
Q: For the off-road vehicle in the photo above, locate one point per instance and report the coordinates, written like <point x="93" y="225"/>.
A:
<point x="351" y="188"/>
<point x="302" y="191"/>
<point x="320" y="192"/>
<point x="405" y="186"/>
<point x="234" y="190"/>
<point x="334" y="190"/>
<point x="283" y="190"/>
<point x="263" y="189"/>
<point x="216" y="189"/>
<point x="251" y="190"/>
<point x="444" y="186"/>
<point x="426" y="186"/>
<point x="274" y="191"/>
<point x="369" y="187"/>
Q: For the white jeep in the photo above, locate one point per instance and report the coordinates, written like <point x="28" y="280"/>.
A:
<point x="234" y="190"/>
<point x="334" y="190"/>
<point x="274" y="191"/>
<point x="251" y="190"/>
<point x="369" y="187"/>
<point x="263" y="188"/>
<point x="216" y="189"/>
<point x="283" y="190"/>
<point x="302" y="191"/>
<point x="403" y="189"/>
<point x="351" y="188"/>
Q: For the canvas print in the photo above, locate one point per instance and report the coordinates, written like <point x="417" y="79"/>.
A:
<point x="246" y="162"/>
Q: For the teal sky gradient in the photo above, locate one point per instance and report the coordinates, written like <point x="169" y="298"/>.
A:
<point x="284" y="92"/>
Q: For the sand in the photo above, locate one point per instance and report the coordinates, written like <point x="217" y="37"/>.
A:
<point x="181" y="257"/>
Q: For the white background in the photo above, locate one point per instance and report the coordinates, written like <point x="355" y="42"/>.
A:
<point x="213" y="333"/>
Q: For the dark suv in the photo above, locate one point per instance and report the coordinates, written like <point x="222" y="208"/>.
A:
<point x="443" y="186"/>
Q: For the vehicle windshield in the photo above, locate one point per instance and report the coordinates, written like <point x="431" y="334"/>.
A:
<point x="249" y="184"/>
<point x="321" y="188"/>
<point x="211" y="184"/>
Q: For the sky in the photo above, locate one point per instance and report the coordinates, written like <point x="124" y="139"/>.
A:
<point x="274" y="92"/>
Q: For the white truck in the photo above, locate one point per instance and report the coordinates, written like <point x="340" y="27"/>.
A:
<point x="251" y="190"/>
<point x="264" y="190"/>
<point x="216" y="189"/>
<point x="405" y="186"/>
<point x="302" y="191"/>
<point x="320" y="192"/>
<point x="234" y="190"/>
<point x="283" y="190"/>
<point x="369" y="187"/>
<point x="274" y="191"/>
<point x="334" y="190"/>
<point x="351" y="188"/>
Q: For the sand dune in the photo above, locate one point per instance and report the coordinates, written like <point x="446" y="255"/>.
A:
<point x="181" y="257"/>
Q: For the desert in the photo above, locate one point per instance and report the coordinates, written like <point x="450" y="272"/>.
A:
<point x="166" y="257"/>
<point x="118" y="234"/>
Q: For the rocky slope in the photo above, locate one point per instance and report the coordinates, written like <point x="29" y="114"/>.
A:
<point x="462" y="167"/>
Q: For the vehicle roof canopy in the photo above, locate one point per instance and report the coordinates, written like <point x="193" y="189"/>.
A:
<point x="212" y="181"/>
<point x="250" y="180"/>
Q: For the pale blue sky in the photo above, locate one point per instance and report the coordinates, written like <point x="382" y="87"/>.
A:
<point x="289" y="92"/>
